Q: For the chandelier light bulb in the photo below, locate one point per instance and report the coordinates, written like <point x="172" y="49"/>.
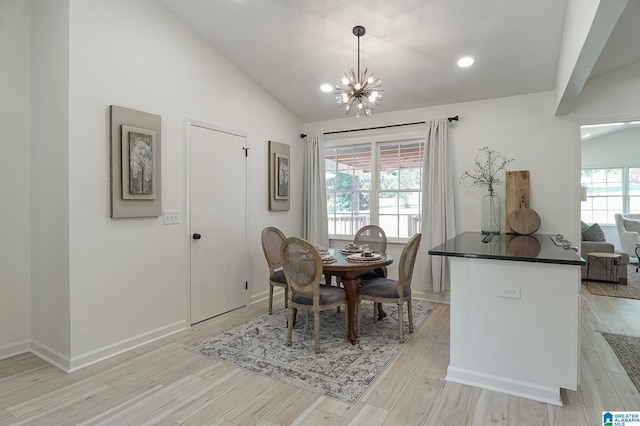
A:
<point x="345" y="80"/>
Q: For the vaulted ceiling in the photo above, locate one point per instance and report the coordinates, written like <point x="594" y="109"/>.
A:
<point x="291" y="47"/>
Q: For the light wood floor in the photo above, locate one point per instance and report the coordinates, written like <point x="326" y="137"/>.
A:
<point x="161" y="383"/>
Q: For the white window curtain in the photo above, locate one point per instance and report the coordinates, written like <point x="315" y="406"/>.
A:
<point x="438" y="219"/>
<point x="314" y="224"/>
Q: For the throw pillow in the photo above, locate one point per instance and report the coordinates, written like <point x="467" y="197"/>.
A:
<point x="631" y="224"/>
<point x="593" y="233"/>
<point x="583" y="227"/>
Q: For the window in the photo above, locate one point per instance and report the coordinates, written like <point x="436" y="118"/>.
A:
<point x="379" y="183"/>
<point x="610" y="191"/>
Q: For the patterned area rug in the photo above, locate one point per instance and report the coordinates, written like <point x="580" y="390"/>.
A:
<point x="341" y="370"/>
<point x="629" y="291"/>
<point x="627" y="348"/>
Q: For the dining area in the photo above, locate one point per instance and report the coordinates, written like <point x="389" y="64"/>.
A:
<point x="305" y="272"/>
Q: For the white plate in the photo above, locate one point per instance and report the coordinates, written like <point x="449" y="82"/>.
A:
<point x="360" y="258"/>
<point x="349" y="251"/>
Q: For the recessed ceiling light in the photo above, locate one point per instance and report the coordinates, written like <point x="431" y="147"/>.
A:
<point x="465" y="61"/>
<point x="326" y="87"/>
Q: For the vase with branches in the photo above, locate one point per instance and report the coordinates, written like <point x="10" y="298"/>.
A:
<point x="488" y="172"/>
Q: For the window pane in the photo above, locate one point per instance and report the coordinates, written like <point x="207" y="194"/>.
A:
<point x="634" y="204"/>
<point x="331" y="204"/>
<point x="343" y="202"/>
<point x="349" y="179"/>
<point x="634" y="181"/>
<point x="330" y="179"/>
<point x="409" y="225"/>
<point x="364" y="202"/>
<point x="389" y="179"/>
<point x="344" y="180"/>
<point x="605" y="194"/>
<point x="388" y="203"/>
<point x="390" y="225"/>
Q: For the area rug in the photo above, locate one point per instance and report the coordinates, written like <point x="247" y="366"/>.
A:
<point x="629" y="291"/>
<point x="340" y="371"/>
<point x="627" y="349"/>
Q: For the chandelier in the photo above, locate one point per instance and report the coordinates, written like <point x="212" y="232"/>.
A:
<point x="356" y="90"/>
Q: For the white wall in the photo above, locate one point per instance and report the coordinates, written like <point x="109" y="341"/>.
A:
<point x="15" y="303"/>
<point x="617" y="149"/>
<point x="520" y="127"/>
<point x="50" y="316"/>
<point x="129" y="276"/>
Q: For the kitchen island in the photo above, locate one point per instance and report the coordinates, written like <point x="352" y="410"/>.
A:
<point x="515" y="307"/>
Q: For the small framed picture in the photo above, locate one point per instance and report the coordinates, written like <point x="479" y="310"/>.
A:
<point x="138" y="163"/>
<point x="281" y="177"/>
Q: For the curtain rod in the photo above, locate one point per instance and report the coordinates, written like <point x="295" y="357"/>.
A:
<point x="455" y="118"/>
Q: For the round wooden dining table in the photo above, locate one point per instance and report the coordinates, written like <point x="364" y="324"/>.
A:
<point x="350" y="272"/>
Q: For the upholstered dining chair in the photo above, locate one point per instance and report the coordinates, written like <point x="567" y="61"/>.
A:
<point x="373" y="236"/>
<point x="272" y="239"/>
<point x="384" y="290"/>
<point x="303" y="268"/>
<point x="376" y="239"/>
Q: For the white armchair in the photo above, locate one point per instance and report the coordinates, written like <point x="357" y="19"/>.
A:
<point x="628" y="238"/>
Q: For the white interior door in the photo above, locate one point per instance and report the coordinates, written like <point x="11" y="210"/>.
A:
<point x="217" y="194"/>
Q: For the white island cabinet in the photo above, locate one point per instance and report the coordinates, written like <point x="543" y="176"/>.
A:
<point x="515" y="310"/>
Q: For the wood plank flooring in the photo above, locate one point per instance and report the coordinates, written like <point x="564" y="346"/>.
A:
<point x="161" y="383"/>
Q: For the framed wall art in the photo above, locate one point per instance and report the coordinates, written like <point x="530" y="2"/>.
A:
<point x="279" y="168"/>
<point x="135" y="163"/>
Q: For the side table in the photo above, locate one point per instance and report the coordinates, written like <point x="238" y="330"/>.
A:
<point x="609" y="261"/>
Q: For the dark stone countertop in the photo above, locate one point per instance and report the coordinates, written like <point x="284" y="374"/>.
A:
<point x="539" y="248"/>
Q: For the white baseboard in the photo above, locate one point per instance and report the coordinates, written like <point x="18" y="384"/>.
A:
<point x="15" y="348"/>
<point x="109" y="351"/>
<point x="519" y="388"/>
<point x="50" y="355"/>
<point x="68" y="365"/>
<point x="277" y="291"/>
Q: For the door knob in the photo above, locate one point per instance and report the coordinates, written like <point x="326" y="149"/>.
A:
<point x="197" y="236"/>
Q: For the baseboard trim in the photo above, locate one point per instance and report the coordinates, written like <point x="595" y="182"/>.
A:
<point x="117" y="348"/>
<point x="68" y="365"/>
<point x="519" y="388"/>
<point x="16" y="348"/>
<point x="50" y="355"/>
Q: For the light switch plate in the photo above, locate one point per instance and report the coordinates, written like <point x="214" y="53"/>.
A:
<point x="170" y="217"/>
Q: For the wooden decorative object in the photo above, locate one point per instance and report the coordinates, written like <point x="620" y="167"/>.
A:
<point x="517" y="191"/>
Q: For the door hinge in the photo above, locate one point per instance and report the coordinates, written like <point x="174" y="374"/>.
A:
<point x="246" y="151"/>
<point x="246" y="285"/>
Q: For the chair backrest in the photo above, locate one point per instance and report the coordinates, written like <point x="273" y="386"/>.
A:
<point x="272" y="239"/>
<point x="373" y="236"/>
<point x="407" y="262"/>
<point x="628" y="237"/>
<point x="302" y="266"/>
